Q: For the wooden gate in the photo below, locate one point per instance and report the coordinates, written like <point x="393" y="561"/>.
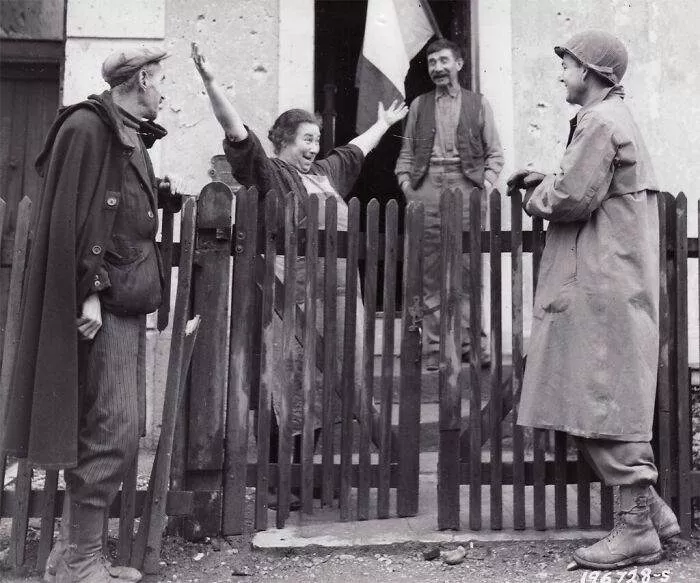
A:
<point x="226" y="449"/>
<point x="536" y="459"/>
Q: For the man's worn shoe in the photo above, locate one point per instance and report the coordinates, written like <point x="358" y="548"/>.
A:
<point x="633" y="541"/>
<point x="123" y="573"/>
<point x="663" y="518"/>
<point x="56" y="553"/>
<point x="82" y="560"/>
<point x="85" y="569"/>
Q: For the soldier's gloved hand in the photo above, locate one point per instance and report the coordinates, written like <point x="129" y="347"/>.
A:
<point x="90" y="320"/>
<point x="524" y="178"/>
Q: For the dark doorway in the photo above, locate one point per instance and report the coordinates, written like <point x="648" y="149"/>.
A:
<point x="340" y="27"/>
<point x="29" y="98"/>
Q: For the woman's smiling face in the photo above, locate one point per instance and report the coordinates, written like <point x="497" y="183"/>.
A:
<point x="302" y="151"/>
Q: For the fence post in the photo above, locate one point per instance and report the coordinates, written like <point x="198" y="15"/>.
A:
<point x="208" y="376"/>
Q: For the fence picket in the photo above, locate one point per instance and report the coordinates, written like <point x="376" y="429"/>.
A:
<point x="127" y="513"/>
<point x="450" y="359"/>
<point x="607" y="504"/>
<point x="242" y="323"/>
<point x="284" y="460"/>
<point x="387" y="382"/>
<point x="14" y="301"/>
<point x="166" y="252"/>
<point x="410" y="387"/>
<point x="20" y="518"/>
<point x="663" y="395"/>
<point x="309" y="358"/>
<point x="496" y="488"/>
<point x="266" y="363"/>
<point x="683" y="405"/>
<point x="475" y="442"/>
<point x="583" y="491"/>
<point x="367" y="394"/>
<point x="349" y="378"/>
<point x="539" y="436"/>
<point x="330" y="356"/>
<point x="560" y="481"/>
<point x="518" y="361"/>
<point x="3" y="302"/>
<point x="48" y="516"/>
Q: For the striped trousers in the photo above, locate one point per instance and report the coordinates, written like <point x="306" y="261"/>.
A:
<point x="112" y="408"/>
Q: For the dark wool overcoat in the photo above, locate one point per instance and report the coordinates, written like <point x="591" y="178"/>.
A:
<point x="83" y="164"/>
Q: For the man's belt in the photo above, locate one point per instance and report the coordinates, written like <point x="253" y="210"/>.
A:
<point x="445" y="162"/>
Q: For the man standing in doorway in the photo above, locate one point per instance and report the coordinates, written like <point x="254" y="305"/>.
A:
<point x="592" y="359"/>
<point x="450" y="142"/>
<point x="78" y="393"/>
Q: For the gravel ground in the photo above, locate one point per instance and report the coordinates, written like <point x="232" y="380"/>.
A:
<point x="232" y="559"/>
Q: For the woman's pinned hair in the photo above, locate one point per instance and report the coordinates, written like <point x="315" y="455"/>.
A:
<point x="284" y="130"/>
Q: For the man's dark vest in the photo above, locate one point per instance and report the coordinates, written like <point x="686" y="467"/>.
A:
<point x="469" y="137"/>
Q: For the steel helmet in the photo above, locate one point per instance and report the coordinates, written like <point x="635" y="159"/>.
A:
<point x="599" y="51"/>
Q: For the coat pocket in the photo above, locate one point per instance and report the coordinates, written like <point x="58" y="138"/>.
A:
<point x="135" y="282"/>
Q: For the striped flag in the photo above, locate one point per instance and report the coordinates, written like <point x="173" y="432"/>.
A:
<point x="394" y="33"/>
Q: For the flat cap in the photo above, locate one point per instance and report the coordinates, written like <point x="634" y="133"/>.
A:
<point x="122" y="64"/>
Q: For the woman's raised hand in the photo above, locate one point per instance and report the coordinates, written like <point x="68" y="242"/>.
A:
<point x="395" y="112"/>
<point x="200" y="61"/>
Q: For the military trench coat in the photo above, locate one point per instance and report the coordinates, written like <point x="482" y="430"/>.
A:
<point x="593" y="352"/>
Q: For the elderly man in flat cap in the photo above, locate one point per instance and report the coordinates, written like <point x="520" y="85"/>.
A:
<point x="592" y="359"/>
<point x="78" y="390"/>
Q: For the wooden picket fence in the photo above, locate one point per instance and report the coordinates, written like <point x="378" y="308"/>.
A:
<point x="222" y="440"/>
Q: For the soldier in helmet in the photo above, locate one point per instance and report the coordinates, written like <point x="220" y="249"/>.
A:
<point x="592" y="359"/>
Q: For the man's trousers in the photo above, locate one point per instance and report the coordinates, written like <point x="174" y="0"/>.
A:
<point x="620" y="463"/>
<point x="112" y="408"/>
<point x="438" y="179"/>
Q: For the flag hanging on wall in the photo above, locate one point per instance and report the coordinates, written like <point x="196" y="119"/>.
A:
<point x="394" y="33"/>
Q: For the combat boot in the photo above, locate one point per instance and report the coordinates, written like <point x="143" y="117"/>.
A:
<point x="83" y="561"/>
<point x="61" y="546"/>
<point x="663" y="518"/>
<point x="633" y="541"/>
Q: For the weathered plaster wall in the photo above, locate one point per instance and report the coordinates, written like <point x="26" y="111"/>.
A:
<point x="661" y="80"/>
<point x="662" y="83"/>
<point x="240" y="40"/>
<point x="32" y="19"/>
